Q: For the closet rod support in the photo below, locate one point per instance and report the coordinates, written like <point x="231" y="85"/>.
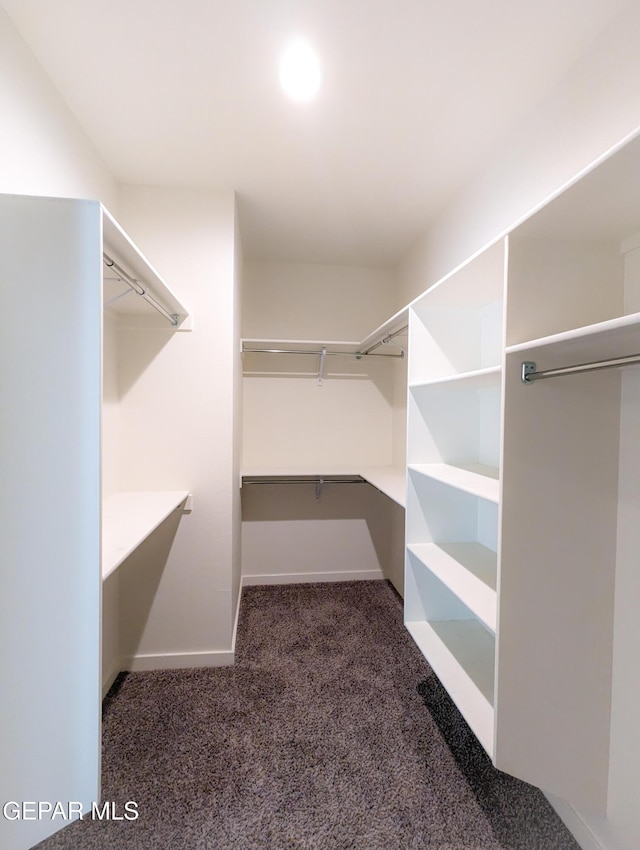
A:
<point x="529" y="372"/>
<point x="323" y="355"/>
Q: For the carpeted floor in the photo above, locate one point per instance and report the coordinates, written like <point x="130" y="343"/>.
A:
<point x="329" y="733"/>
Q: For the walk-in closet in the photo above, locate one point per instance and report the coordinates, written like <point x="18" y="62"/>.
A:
<point x="319" y="425"/>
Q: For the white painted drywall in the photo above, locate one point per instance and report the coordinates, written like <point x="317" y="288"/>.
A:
<point x="43" y="149"/>
<point x="586" y="113"/>
<point x="178" y="394"/>
<point x="289" y="420"/>
<point x="313" y="301"/>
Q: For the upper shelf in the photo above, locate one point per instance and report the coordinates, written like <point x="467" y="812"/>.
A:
<point x="118" y="296"/>
<point x="388" y="338"/>
<point x="609" y="339"/>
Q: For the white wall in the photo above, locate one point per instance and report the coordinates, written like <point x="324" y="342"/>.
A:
<point x="292" y="421"/>
<point x="586" y="113"/>
<point x="178" y="395"/>
<point x="590" y="111"/>
<point x="312" y="301"/>
<point x="43" y="149"/>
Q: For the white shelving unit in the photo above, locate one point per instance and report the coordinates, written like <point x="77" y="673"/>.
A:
<point x="454" y="433"/>
<point x="57" y="534"/>
<point x="511" y="572"/>
<point x="454" y="416"/>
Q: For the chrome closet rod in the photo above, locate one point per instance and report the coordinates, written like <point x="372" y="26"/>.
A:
<point x="137" y="287"/>
<point x="529" y="373"/>
<point x="315" y="353"/>
<point x="318" y="479"/>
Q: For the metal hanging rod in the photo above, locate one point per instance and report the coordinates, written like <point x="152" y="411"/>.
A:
<point x="357" y="354"/>
<point x="529" y="373"/>
<point x="385" y="340"/>
<point x="302" y="479"/>
<point x="137" y="287"/>
<point x="318" y="480"/>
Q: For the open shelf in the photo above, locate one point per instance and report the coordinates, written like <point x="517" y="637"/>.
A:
<point x="457" y="420"/>
<point x="468" y="569"/>
<point x="476" y="379"/>
<point x="617" y="337"/>
<point x="129" y="518"/>
<point x="390" y="480"/>
<point x="120" y="299"/>
<point x="461" y="653"/>
<point x="268" y="346"/>
<point x="476" y="479"/>
<point x="457" y="324"/>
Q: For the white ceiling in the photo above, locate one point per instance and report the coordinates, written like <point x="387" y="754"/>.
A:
<point x="416" y="93"/>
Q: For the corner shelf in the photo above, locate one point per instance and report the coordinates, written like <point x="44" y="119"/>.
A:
<point x="390" y="481"/>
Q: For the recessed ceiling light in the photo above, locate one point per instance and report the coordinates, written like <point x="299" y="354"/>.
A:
<point x="300" y="72"/>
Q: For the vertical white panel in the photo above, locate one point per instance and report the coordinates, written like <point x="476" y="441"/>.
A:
<point x="50" y="297"/>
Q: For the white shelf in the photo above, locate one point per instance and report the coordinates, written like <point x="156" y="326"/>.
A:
<point x="391" y="326"/>
<point x="127" y="303"/>
<point x="477" y="379"/>
<point x="469" y="570"/>
<point x="617" y="337"/>
<point x="477" y="479"/>
<point x="461" y="653"/>
<point x="129" y="518"/>
<point x="300" y="345"/>
<point x="389" y="480"/>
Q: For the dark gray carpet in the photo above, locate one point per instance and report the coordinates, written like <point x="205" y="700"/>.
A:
<point x="330" y="733"/>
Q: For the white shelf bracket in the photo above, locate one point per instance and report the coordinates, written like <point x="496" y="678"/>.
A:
<point x="323" y="355"/>
<point x="319" y="486"/>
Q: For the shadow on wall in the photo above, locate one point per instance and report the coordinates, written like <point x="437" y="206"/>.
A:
<point x="350" y="528"/>
<point x="140" y="578"/>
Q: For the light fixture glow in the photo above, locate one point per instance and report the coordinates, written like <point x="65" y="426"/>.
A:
<point x="300" y="72"/>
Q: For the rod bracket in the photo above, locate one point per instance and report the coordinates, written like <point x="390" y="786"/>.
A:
<point x="528" y="369"/>
<point x="319" y="486"/>
<point x="323" y="355"/>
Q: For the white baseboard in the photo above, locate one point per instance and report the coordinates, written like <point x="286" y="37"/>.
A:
<point x="582" y="830"/>
<point x="178" y="660"/>
<point x="308" y="578"/>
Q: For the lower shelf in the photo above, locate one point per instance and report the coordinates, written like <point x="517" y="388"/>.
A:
<point x="476" y="479"/>
<point x="469" y="570"/>
<point x="462" y="655"/>
<point x="129" y="518"/>
<point x="389" y="480"/>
